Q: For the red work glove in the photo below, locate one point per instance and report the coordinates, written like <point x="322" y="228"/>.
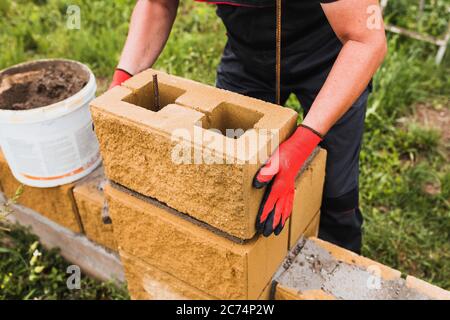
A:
<point x="279" y="174"/>
<point x="119" y="77"/>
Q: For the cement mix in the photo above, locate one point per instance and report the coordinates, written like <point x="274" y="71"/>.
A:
<point x="311" y="267"/>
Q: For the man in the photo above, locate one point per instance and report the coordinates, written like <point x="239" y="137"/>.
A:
<point x="330" y="51"/>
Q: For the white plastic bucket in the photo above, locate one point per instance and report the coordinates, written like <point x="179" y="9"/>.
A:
<point x="52" y="145"/>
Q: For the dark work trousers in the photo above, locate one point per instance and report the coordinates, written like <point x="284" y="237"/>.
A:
<point x="341" y="220"/>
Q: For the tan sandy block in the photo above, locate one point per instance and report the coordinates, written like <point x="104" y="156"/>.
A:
<point x="57" y="203"/>
<point x="217" y="266"/>
<point x="308" y="196"/>
<point x="352" y="258"/>
<point x="427" y="289"/>
<point x="287" y="293"/>
<point x="170" y="88"/>
<point x="146" y="282"/>
<point x="223" y="109"/>
<point x="90" y="199"/>
<point x="214" y="181"/>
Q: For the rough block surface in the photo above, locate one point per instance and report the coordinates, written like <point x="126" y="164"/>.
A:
<point x="137" y="146"/>
<point x="90" y="200"/>
<point x="146" y="282"/>
<point x="317" y="269"/>
<point x="55" y="203"/>
<point x="308" y="196"/>
<point x="217" y="266"/>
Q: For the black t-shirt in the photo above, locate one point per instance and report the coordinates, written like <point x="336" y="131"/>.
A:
<point x="304" y="25"/>
<point x="309" y="44"/>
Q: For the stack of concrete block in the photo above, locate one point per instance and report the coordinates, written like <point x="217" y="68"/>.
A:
<point x="187" y="230"/>
<point x="76" y="206"/>
<point x="57" y="204"/>
<point x="90" y="199"/>
<point x="318" y="270"/>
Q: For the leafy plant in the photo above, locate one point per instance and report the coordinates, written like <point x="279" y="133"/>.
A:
<point x="5" y="208"/>
<point x="28" y="271"/>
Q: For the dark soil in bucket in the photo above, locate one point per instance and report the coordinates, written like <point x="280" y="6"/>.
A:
<point x="39" y="84"/>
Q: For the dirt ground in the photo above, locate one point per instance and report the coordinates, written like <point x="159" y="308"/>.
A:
<point x="432" y="118"/>
<point x="438" y="119"/>
<point x="40" y="85"/>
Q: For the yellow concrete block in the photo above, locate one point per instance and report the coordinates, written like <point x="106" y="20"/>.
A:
<point x="57" y="203"/>
<point x="146" y="282"/>
<point x="217" y="266"/>
<point x="138" y="144"/>
<point x="308" y="196"/>
<point x="90" y="200"/>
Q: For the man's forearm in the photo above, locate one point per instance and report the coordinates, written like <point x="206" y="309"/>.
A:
<point x="362" y="53"/>
<point x="350" y="75"/>
<point x="149" y="30"/>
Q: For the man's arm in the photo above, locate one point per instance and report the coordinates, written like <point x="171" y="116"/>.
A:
<point x="150" y="26"/>
<point x="363" y="51"/>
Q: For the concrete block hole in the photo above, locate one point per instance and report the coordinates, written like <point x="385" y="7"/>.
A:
<point x="231" y="120"/>
<point x="145" y="97"/>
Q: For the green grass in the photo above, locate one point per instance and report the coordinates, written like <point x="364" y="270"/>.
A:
<point x="406" y="227"/>
<point x="28" y="271"/>
<point x="406" y="14"/>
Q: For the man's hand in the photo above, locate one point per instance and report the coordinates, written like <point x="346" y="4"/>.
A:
<point x="119" y="77"/>
<point x="279" y="174"/>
